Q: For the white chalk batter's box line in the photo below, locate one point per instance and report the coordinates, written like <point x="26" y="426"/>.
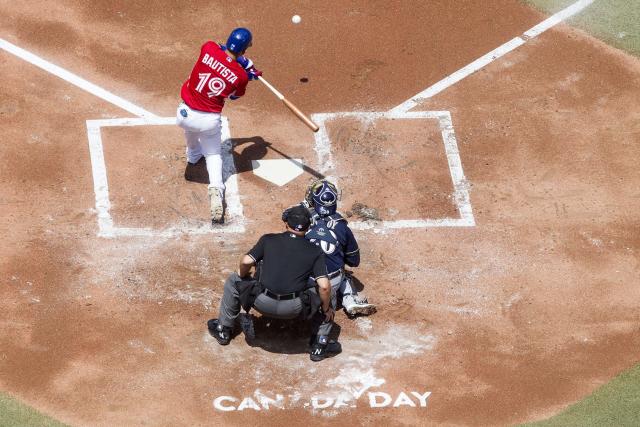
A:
<point x="234" y="212"/>
<point x="460" y="185"/>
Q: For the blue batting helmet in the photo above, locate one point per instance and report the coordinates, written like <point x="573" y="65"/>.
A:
<point x="325" y="197"/>
<point x="239" y="40"/>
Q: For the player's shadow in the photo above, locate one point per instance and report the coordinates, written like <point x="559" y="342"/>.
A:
<point x="247" y="149"/>
<point x="243" y="150"/>
<point x="197" y="172"/>
<point x="283" y="336"/>
<point x="255" y="148"/>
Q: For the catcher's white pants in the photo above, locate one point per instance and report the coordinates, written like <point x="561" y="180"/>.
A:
<point x="203" y="134"/>
<point x="342" y="284"/>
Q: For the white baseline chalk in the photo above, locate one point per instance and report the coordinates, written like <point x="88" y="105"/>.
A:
<point x="460" y="185"/>
<point x="459" y="75"/>
<point x="76" y="80"/>
<point x="488" y="58"/>
<point x="106" y="226"/>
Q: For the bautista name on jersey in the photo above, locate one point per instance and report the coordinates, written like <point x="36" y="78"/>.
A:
<point x="215" y="76"/>
<point x="219" y="67"/>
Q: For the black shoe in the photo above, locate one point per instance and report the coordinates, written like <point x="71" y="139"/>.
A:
<point x="324" y="348"/>
<point x="334" y="347"/>
<point x="222" y="334"/>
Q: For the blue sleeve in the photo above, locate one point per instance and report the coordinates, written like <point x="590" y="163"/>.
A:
<point x="351" y="250"/>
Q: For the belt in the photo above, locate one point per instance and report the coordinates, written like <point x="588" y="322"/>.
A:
<point x="196" y="110"/>
<point x="334" y="274"/>
<point x="282" y="297"/>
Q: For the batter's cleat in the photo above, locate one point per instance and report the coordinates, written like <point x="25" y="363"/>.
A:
<point x="357" y="305"/>
<point x="324" y="348"/>
<point x="216" y="197"/>
<point x="222" y="334"/>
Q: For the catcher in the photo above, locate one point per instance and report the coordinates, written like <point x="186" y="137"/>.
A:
<point x="330" y="231"/>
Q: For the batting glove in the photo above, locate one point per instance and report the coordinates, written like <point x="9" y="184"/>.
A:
<point x="247" y="64"/>
<point x="254" y="73"/>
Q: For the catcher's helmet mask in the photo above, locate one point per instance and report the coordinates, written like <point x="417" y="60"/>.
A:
<point x="325" y="198"/>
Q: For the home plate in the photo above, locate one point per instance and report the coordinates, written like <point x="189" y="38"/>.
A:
<point x="279" y="171"/>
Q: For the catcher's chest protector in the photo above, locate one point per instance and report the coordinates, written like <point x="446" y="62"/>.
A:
<point x="330" y="234"/>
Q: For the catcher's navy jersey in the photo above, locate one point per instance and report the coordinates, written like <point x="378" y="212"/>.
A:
<point x="336" y="239"/>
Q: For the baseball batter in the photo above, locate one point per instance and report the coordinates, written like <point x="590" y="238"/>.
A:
<point x="220" y="72"/>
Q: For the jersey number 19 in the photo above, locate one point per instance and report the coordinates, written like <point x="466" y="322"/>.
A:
<point x="216" y="85"/>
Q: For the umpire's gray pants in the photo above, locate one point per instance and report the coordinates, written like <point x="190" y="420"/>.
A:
<point x="286" y="309"/>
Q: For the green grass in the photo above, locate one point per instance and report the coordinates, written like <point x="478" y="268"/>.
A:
<point x="614" y="404"/>
<point x="15" y="414"/>
<point x="616" y="22"/>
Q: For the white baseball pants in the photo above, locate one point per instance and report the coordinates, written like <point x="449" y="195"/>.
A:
<point x="342" y="284"/>
<point x="203" y="134"/>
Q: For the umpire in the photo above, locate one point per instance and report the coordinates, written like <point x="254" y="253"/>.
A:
<point x="281" y="290"/>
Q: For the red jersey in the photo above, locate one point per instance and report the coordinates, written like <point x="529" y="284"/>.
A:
<point x="215" y="77"/>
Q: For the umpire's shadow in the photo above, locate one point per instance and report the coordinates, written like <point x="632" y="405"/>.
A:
<point x="283" y="336"/>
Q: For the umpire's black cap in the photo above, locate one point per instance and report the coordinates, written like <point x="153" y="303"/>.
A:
<point x="297" y="218"/>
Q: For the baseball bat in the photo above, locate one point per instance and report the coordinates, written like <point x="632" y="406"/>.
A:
<point x="295" y="110"/>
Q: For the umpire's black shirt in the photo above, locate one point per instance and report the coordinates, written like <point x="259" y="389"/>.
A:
<point x="288" y="262"/>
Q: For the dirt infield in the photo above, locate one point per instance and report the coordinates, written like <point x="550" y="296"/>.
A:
<point x="506" y="321"/>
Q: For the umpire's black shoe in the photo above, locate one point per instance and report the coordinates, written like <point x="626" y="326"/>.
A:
<point x="324" y="348"/>
<point x="222" y="334"/>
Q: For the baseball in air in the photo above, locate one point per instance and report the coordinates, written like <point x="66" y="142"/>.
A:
<point x="296" y="19"/>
